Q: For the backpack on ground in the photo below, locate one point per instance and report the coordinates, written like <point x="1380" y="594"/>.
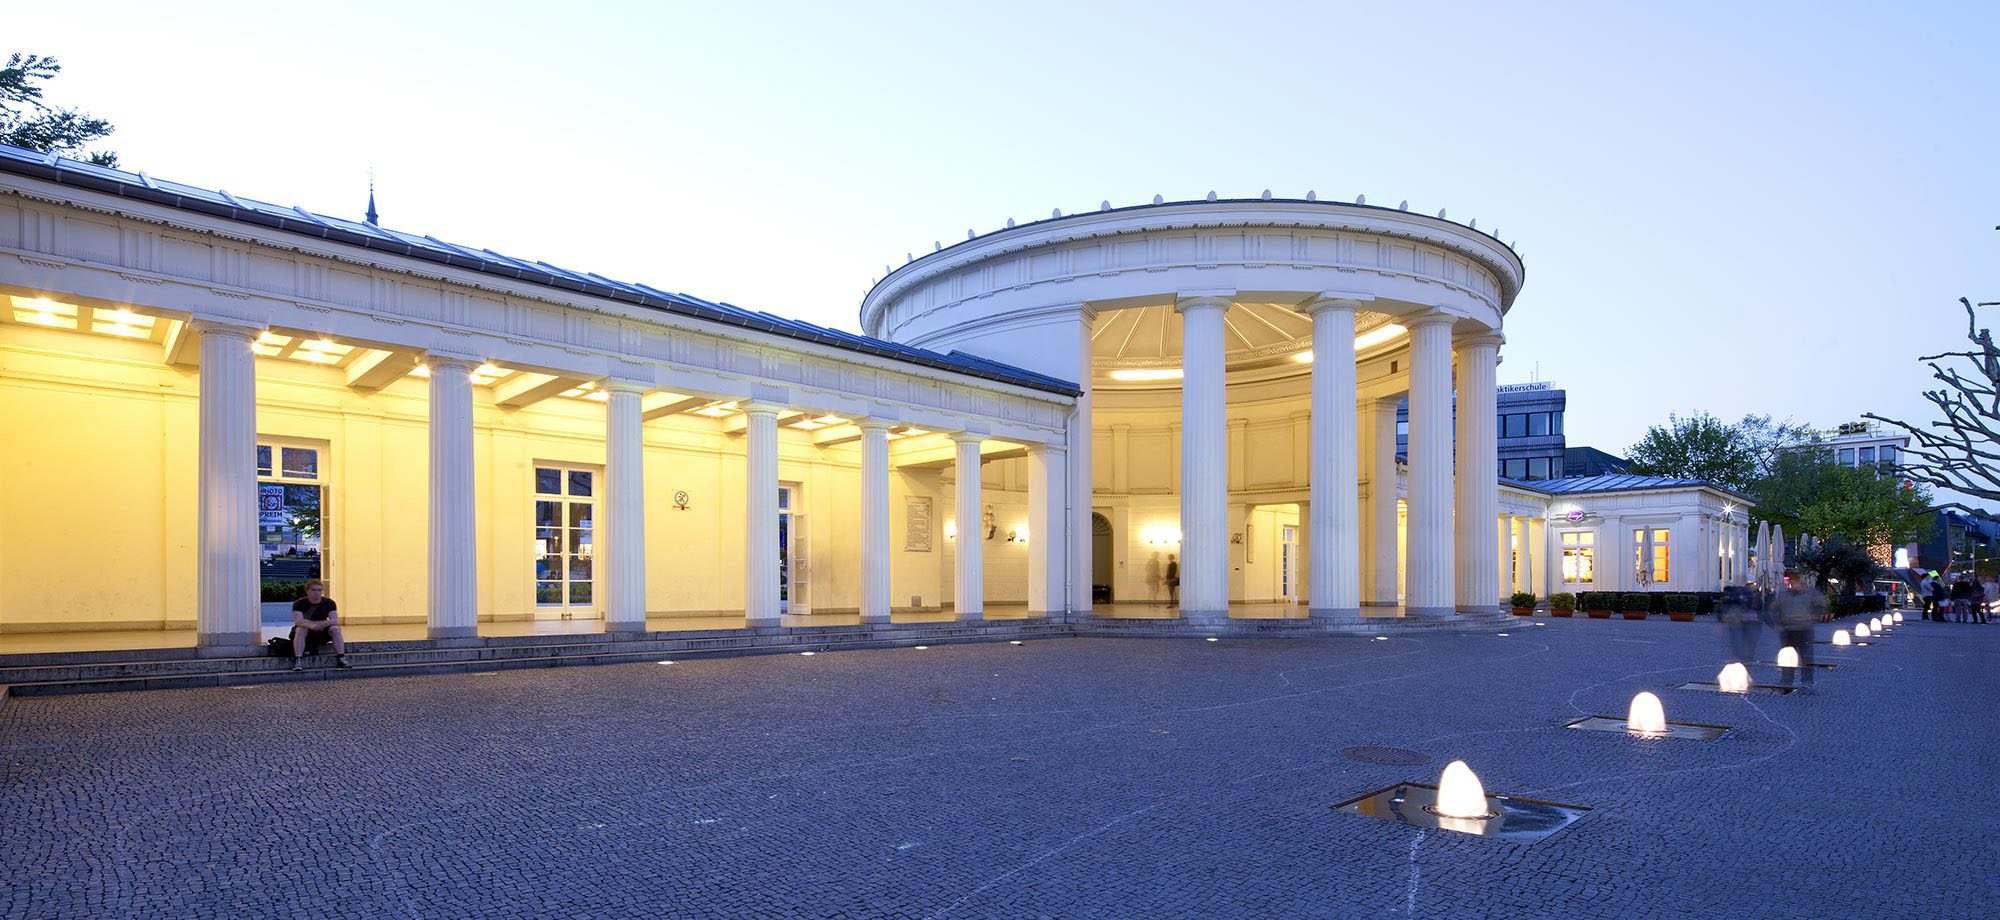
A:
<point x="280" y="647"/>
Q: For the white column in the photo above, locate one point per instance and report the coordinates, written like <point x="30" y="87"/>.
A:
<point x="1047" y="553"/>
<point x="969" y="588"/>
<point x="1204" y="461"/>
<point x="1478" y="478"/>
<point x="875" y="552"/>
<point x="1081" y="561"/>
<point x="1430" y="589"/>
<point x="624" y="551"/>
<point x="1382" y="478"/>
<point x="1335" y="477"/>
<point x="760" y="515"/>
<point x="227" y="610"/>
<point x="454" y="591"/>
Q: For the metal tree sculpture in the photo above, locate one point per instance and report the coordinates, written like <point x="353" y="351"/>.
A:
<point x="1961" y="451"/>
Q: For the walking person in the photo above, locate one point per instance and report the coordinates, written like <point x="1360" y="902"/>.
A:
<point x="1940" y="597"/>
<point x="1798" y="608"/>
<point x="1979" y="600"/>
<point x="1924" y="601"/>
<point x="1961" y="600"/>
<point x="315" y="622"/>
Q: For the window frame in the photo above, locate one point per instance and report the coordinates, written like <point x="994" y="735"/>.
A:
<point x="565" y="525"/>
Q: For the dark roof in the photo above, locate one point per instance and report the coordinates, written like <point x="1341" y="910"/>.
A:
<point x="1619" y="482"/>
<point x="141" y="187"/>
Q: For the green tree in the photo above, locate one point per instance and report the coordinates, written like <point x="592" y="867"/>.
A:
<point x="1839" y="567"/>
<point x="27" y="121"/>
<point x="1808" y="492"/>
<point x="1696" y="447"/>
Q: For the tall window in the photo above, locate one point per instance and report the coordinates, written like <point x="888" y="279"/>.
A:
<point x="1538" y="424"/>
<point x="565" y="539"/>
<point x="1579" y="557"/>
<point x="1538" y="468"/>
<point x="1650" y="555"/>
<point x="291" y="510"/>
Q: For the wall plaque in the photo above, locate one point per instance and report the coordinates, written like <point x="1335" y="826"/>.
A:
<point x="917" y="524"/>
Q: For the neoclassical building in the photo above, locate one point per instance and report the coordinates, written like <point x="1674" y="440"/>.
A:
<point x="204" y="393"/>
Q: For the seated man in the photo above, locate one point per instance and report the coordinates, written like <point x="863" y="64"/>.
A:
<point x="314" y="623"/>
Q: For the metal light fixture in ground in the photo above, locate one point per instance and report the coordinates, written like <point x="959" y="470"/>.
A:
<point x="1459" y="802"/>
<point x="1647" y="718"/>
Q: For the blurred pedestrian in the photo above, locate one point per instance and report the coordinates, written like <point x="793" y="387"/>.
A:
<point x="1739" y="622"/>
<point x="1798" y="608"/>
<point x="1961" y="600"/>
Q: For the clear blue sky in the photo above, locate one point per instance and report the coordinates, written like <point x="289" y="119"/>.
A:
<point x="1731" y="207"/>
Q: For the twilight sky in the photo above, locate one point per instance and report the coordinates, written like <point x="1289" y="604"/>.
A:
<point x="1731" y="207"/>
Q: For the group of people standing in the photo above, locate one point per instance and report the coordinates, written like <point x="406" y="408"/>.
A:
<point x="1962" y="600"/>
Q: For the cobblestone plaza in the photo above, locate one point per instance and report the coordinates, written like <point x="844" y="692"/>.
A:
<point x="1089" y="777"/>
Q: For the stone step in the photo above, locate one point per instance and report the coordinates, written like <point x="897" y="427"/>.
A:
<point x="401" y="657"/>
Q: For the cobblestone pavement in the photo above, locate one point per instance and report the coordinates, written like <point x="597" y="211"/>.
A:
<point x="1065" y="778"/>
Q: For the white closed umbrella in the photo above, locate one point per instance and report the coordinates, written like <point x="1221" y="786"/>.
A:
<point x="1762" y="571"/>
<point x="1777" y="555"/>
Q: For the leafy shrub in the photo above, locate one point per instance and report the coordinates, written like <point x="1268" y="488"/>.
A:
<point x="1634" y="602"/>
<point x="1562" y="601"/>
<point x="1522" y="599"/>
<point x="1682" y="603"/>
<point x="277" y="590"/>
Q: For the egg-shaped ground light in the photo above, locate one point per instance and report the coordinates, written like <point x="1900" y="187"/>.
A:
<point x="1899" y="616"/>
<point x="1735" y="678"/>
<point x="1647" y="716"/>
<point x="1861" y="631"/>
<point x="1460" y="794"/>
<point x="1840" y="637"/>
<point x="1788" y="657"/>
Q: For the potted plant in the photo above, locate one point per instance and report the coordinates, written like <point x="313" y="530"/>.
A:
<point x="1681" y="607"/>
<point x="1635" y="605"/>
<point x="1598" y="604"/>
<point x="1524" y="604"/>
<point x="1562" y="605"/>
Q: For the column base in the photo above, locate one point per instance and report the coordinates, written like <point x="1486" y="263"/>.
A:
<point x="454" y="632"/>
<point x="1205" y="617"/>
<point x="1053" y="616"/>
<point x="254" y="637"/>
<point x="880" y="619"/>
<point x="1334" y="613"/>
<point x="762" y="622"/>
<point x="633" y="627"/>
<point x="1381" y="603"/>
<point x="1495" y="610"/>
<point x="971" y="616"/>
<point x="1435" y="613"/>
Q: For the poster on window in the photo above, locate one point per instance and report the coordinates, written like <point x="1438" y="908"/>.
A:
<point x="917" y="524"/>
<point x="271" y="504"/>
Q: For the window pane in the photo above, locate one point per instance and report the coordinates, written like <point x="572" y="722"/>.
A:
<point x="301" y="463"/>
<point x="1402" y="429"/>
<point x="1847" y="456"/>
<point x="548" y="481"/>
<point x="1867" y="455"/>
<point x="1517" y="469"/>
<point x="579" y="482"/>
<point x="579" y="568"/>
<point x="579" y="517"/>
<point x="1888" y="454"/>
<point x="1538" y="424"/>
<point x="1589" y="537"/>
<point x="1555" y="423"/>
<point x="263" y="459"/>
<point x="1517" y="426"/>
<point x="548" y="592"/>
<point x="579" y="592"/>
<point x="548" y="514"/>
<point x="549" y="567"/>
<point x="1538" y="468"/>
<point x="784" y="499"/>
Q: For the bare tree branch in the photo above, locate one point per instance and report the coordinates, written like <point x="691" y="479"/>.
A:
<point x="1960" y="450"/>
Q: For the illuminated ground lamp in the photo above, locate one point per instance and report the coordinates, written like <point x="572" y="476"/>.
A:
<point x="1899" y="617"/>
<point x="1788" y="657"/>
<point x="1460" y="803"/>
<point x="1840" y="637"/>
<point x="1734" y="678"/>
<point x="1861" y="631"/>
<point x="1648" y="719"/>
<point x="1875" y="623"/>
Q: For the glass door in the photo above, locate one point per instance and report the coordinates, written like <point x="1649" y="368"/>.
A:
<point x="292" y="523"/>
<point x="565" y="543"/>
<point x="1288" y="548"/>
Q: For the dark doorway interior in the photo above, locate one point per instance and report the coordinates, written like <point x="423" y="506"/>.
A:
<point x="1100" y="559"/>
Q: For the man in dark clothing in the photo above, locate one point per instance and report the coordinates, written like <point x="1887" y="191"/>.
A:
<point x="1173" y="582"/>
<point x="315" y="622"/>
<point x="1961" y="600"/>
<point x="1798" y="608"/>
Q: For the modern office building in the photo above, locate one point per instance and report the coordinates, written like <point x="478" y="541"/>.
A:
<point x="202" y="388"/>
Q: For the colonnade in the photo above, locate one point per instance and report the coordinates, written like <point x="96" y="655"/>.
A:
<point x="228" y="608"/>
<point x="1449" y="569"/>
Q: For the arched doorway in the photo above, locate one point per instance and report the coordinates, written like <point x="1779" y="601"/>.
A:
<point x="1100" y="559"/>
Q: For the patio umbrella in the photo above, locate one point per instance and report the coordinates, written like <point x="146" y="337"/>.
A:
<point x="1777" y="556"/>
<point x="1761" y="571"/>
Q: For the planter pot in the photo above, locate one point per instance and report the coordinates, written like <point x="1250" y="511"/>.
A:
<point x="1524" y="611"/>
<point x="1559" y="612"/>
<point x="1635" y="614"/>
<point x="1681" y="617"/>
<point x="1599" y="614"/>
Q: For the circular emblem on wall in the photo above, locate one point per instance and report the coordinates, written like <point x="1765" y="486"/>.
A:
<point x="1575" y="517"/>
<point x="681" y="500"/>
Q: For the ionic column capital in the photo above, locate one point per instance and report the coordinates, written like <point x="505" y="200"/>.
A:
<point x="435" y="360"/>
<point x="1431" y="318"/>
<point x="874" y="424"/>
<point x="1483" y="339"/>
<point x="1037" y="450"/>
<point x="1203" y="300"/>
<point x="968" y="437"/>
<point x="1330" y="302"/>
<point x="626" y="386"/>
<point x="225" y="329"/>
<point x="756" y="408"/>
